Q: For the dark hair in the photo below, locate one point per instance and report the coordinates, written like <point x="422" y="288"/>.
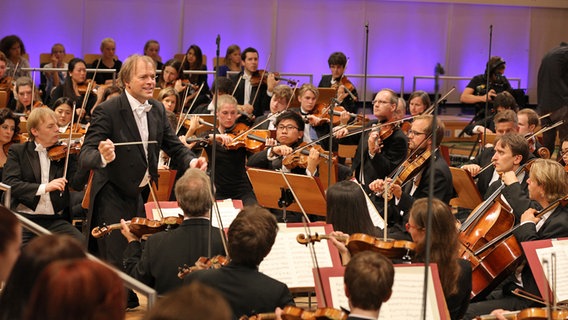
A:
<point x="225" y="85"/>
<point x="3" y="57"/>
<point x="288" y="114"/>
<point x="251" y="236"/>
<point x="6" y="114"/>
<point x="111" y="90"/>
<point x="148" y="43"/>
<point x="193" y="302"/>
<point x="517" y="143"/>
<point x="444" y="241"/>
<point x="176" y="64"/>
<point x="230" y="49"/>
<point x="63" y="100"/>
<point x="494" y="64"/>
<point x="8" y="41"/>
<point x="338" y="59"/>
<point x="368" y="279"/>
<point x="347" y="209"/>
<point x="506" y="100"/>
<point x="35" y="256"/>
<point x="247" y="50"/>
<point x="68" y="90"/>
<point x="423" y="95"/>
<point x="428" y="130"/>
<point x="77" y="289"/>
<point x="8" y="225"/>
<point x="197" y="65"/>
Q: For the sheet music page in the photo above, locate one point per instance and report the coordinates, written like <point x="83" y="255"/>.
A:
<point x="168" y="212"/>
<point x="376" y="217"/>
<point x="291" y="262"/>
<point x="406" y="299"/>
<point x="227" y="212"/>
<point x="561" y="251"/>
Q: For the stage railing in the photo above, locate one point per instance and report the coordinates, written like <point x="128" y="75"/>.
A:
<point x="458" y="78"/>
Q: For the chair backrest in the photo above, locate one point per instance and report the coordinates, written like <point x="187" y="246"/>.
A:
<point x="221" y="62"/>
<point x="91" y="57"/>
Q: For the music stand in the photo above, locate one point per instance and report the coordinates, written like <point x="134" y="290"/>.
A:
<point x="272" y="191"/>
<point x="468" y="195"/>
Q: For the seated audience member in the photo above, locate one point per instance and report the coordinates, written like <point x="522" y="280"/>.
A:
<point x="54" y="78"/>
<point x="40" y="192"/>
<point x="250" y="238"/>
<point x="156" y="264"/>
<point x="547" y="183"/>
<point x="368" y="281"/>
<point x="10" y="242"/>
<point x="35" y="256"/>
<point x="77" y="289"/>
<point x="107" y="61"/>
<point x="152" y="49"/>
<point x="13" y="47"/>
<point x="233" y="61"/>
<point x="193" y="302"/>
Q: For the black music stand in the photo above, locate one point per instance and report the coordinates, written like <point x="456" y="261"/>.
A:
<point x="272" y="191"/>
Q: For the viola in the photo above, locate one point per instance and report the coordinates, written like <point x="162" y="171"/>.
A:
<point x="357" y="242"/>
<point x="59" y="151"/>
<point x="262" y="75"/>
<point x="300" y="158"/>
<point x="139" y="226"/>
<point x="203" y="263"/>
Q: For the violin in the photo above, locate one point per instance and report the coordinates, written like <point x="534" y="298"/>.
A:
<point x="357" y="242"/>
<point x="300" y="158"/>
<point x="262" y="75"/>
<point x="254" y="141"/>
<point x="59" y="151"/>
<point x="139" y="226"/>
<point x="348" y="85"/>
<point x="7" y="84"/>
<point x="86" y="86"/>
<point x="203" y="263"/>
<point x="296" y="313"/>
<point x="321" y="110"/>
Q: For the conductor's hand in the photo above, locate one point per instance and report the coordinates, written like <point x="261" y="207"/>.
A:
<point x="199" y="163"/>
<point x="56" y="185"/>
<point x="106" y="148"/>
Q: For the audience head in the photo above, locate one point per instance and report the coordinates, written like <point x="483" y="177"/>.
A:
<point x="152" y="49"/>
<point x="368" y="280"/>
<point x="192" y="302"/>
<point x="194" y="57"/>
<point x="58" y="51"/>
<point x="77" y="289"/>
<point x="193" y="193"/>
<point x="108" y="48"/>
<point x="35" y="256"/>
<point x="347" y="209"/>
<point x="12" y="46"/>
<point x="251" y="236"/>
<point x="233" y="55"/>
<point x="10" y="241"/>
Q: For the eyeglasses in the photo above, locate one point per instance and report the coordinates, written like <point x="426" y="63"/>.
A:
<point x="288" y="128"/>
<point x="381" y="102"/>
<point x="415" y="133"/>
<point x="409" y="226"/>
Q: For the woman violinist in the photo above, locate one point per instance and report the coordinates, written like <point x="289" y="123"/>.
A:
<point x="63" y="108"/>
<point x="9" y="128"/>
<point x="231" y="180"/>
<point x="27" y="97"/>
<point x="415" y="172"/>
<point x="547" y="183"/>
<point x="76" y="87"/>
<point x="337" y="62"/>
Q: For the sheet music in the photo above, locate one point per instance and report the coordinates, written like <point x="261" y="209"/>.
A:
<point x="406" y="299"/>
<point x="561" y="251"/>
<point x="290" y="262"/>
<point x="227" y="212"/>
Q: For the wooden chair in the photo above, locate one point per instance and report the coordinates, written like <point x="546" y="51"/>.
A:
<point x="4" y="97"/>
<point x="221" y="62"/>
<point x="347" y="151"/>
<point x="468" y="195"/>
<point x="91" y="57"/>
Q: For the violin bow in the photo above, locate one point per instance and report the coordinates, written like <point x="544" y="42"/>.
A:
<point x="180" y="121"/>
<point x="434" y="105"/>
<point x="261" y="78"/>
<point x="69" y="141"/>
<point x="237" y="85"/>
<point x="156" y="202"/>
<point x="87" y="94"/>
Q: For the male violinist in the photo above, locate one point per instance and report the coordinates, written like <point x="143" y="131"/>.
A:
<point x="249" y="82"/>
<point x="40" y="192"/>
<point x="316" y="126"/>
<point x="156" y="264"/>
<point x="528" y="122"/>
<point x="380" y="156"/>
<point x="279" y="101"/>
<point x="248" y="291"/>
<point x="337" y="62"/>
<point x="420" y="142"/>
<point x="231" y="181"/>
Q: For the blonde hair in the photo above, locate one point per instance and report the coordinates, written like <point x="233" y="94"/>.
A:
<point x="551" y="176"/>
<point x="308" y="87"/>
<point x="107" y="40"/>
<point x="36" y="118"/>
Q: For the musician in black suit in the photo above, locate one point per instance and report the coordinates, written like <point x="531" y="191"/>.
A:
<point x="316" y="125"/>
<point x="417" y="185"/>
<point x="248" y="291"/>
<point x="380" y="156"/>
<point x="246" y="90"/>
<point x="122" y="172"/>
<point x="40" y="191"/>
<point x="368" y="280"/>
<point x="156" y="265"/>
<point x="337" y="62"/>
<point x="547" y="183"/>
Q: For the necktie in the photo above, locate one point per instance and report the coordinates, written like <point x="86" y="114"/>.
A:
<point x="141" y="109"/>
